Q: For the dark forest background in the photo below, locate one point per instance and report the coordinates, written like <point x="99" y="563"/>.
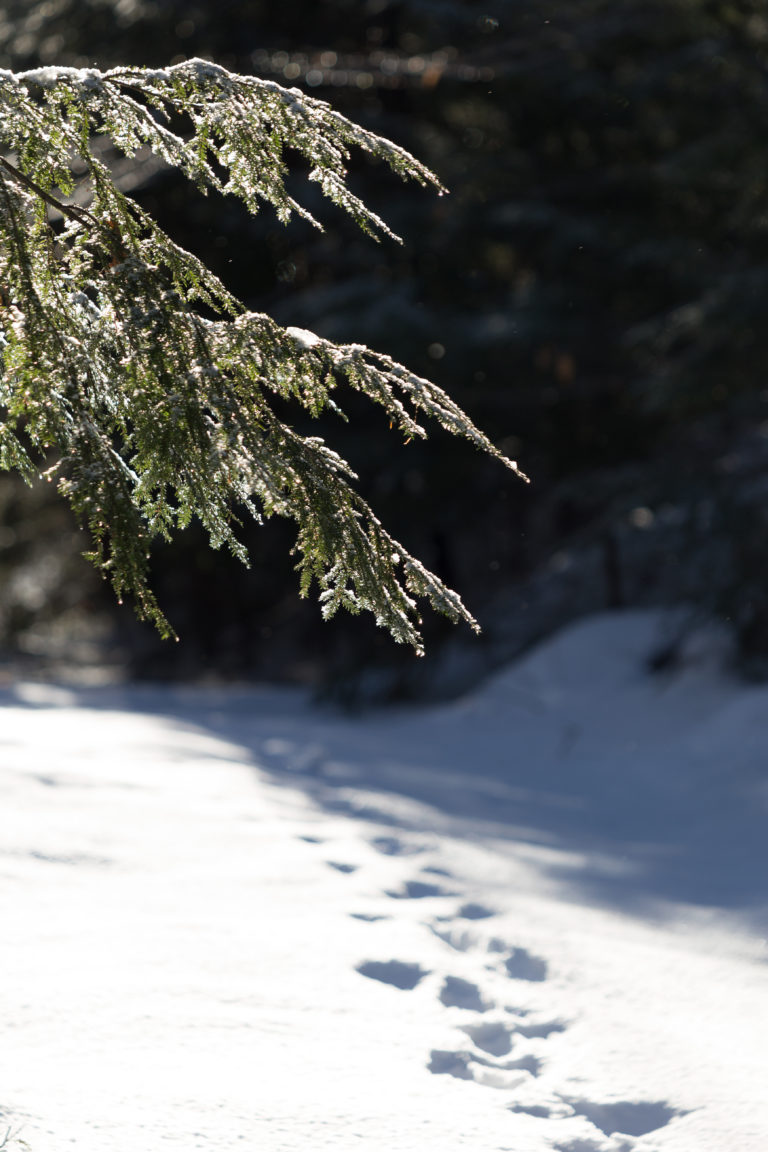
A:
<point x="593" y="291"/>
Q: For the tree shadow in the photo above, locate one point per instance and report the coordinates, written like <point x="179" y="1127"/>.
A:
<point x="623" y="796"/>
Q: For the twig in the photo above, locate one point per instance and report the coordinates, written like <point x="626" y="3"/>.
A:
<point x="80" y="214"/>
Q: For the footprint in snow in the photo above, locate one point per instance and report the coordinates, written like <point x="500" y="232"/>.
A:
<point x="538" y="1031"/>
<point x="473" y="911"/>
<point x="521" y="964"/>
<point x="490" y="1073"/>
<point x="342" y="867"/>
<point x="489" y="1062"/>
<point x="469" y="911"/>
<point x="625" y="1117"/>
<point x="399" y="973"/>
<point x="518" y="963"/>
<point x="493" y="1037"/>
<point x="418" y="890"/>
<point x="458" y="993"/>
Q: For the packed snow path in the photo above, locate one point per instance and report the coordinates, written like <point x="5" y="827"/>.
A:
<point x="531" y="921"/>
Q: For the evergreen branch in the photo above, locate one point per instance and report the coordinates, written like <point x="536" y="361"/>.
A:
<point x="159" y="414"/>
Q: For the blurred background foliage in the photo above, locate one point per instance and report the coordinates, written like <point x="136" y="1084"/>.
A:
<point x="593" y="292"/>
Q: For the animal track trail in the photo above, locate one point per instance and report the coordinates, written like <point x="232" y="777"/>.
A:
<point x="510" y="1052"/>
<point x="502" y="1048"/>
<point x="505" y="1048"/>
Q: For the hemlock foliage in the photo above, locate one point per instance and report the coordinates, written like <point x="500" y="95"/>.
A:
<point x="130" y="364"/>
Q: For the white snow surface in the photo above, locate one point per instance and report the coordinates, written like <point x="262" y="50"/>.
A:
<point x="532" y="920"/>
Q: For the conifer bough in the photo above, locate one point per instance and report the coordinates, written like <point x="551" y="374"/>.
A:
<point x="128" y="362"/>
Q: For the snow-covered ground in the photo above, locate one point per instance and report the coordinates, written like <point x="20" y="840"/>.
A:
<point x="533" y="920"/>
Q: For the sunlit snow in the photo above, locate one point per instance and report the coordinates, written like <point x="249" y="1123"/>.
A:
<point x="532" y="920"/>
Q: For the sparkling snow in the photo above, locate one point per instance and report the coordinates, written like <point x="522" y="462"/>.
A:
<point x="533" y="920"/>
